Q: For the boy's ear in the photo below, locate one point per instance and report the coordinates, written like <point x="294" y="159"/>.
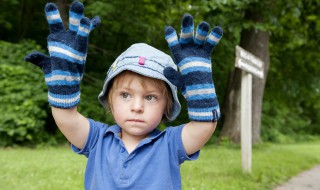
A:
<point x="164" y="119"/>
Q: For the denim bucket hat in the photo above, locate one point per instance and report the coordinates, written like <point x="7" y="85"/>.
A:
<point x="145" y="60"/>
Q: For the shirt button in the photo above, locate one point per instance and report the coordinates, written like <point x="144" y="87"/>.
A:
<point x="124" y="165"/>
<point x="122" y="150"/>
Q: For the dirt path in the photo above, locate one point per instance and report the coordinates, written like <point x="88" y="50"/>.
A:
<point x="307" y="180"/>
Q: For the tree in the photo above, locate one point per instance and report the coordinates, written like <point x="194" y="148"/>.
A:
<point x="255" y="41"/>
<point x="291" y="103"/>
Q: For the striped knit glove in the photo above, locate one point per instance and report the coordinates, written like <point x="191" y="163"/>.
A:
<point x="193" y="57"/>
<point x="63" y="69"/>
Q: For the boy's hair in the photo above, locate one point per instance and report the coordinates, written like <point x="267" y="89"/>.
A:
<point x="159" y="84"/>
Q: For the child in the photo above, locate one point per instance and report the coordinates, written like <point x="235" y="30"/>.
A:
<point x="141" y="91"/>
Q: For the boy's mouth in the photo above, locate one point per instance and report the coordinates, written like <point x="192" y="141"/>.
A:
<point x="135" y="120"/>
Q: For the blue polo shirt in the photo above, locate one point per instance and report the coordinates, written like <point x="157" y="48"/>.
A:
<point x="154" y="164"/>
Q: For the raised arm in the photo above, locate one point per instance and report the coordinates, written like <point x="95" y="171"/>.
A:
<point x="73" y="125"/>
<point x="193" y="57"/>
<point x="63" y="68"/>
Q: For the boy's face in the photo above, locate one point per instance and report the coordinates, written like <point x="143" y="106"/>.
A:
<point x="137" y="108"/>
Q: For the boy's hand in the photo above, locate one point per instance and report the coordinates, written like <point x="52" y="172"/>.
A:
<point x="63" y="69"/>
<point x="193" y="57"/>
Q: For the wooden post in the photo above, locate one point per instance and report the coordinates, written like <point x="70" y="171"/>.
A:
<point x="250" y="65"/>
<point x="246" y="121"/>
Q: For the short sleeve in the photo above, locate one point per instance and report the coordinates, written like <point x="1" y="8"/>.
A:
<point x="96" y="129"/>
<point x="176" y="145"/>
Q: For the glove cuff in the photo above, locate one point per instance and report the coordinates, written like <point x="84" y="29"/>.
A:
<point x="204" y="112"/>
<point x="65" y="100"/>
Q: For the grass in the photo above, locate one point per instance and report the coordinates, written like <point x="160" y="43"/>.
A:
<point x="216" y="168"/>
<point x="273" y="164"/>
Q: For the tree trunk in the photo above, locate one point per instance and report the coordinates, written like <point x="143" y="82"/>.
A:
<point x="256" y="42"/>
<point x="63" y="10"/>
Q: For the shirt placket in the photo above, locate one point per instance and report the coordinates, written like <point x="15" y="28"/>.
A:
<point x="125" y="166"/>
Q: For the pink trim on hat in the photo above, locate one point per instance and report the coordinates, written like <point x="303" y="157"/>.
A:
<point x="142" y="60"/>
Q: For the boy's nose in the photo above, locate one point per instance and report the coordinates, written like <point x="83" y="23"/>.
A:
<point x="137" y="105"/>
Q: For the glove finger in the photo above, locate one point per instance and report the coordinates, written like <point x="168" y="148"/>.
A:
<point x="202" y="32"/>
<point x="75" y="15"/>
<point x="95" y="22"/>
<point x="84" y="28"/>
<point x="171" y="36"/>
<point x="174" y="77"/>
<point x="38" y="59"/>
<point x="172" y="39"/>
<point x="214" y="38"/>
<point x="53" y="18"/>
<point x="186" y="35"/>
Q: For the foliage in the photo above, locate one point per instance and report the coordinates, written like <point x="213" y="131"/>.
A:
<point x="22" y="96"/>
<point x="216" y="168"/>
<point x="89" y="105"/>
<point x="292" y="96"/>
<point x="28" y="20"/>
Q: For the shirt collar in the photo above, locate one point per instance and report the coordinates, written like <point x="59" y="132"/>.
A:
<point x="115" y="129"/>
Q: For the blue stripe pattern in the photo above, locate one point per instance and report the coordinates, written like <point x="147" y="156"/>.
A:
<point x="51" y="14"/>
<point x="202" y="96"/>
<point x="63" y="82"/>
<point x="202" y="110"/>
<point x="68" y="48"/>
<point x="65" y="56"/>
<point x="211" y="114"/>
<point x="76" y="17"/>
<point x="193" y="57"/>
<point x="171" y="36"/>
<point x="68" y="52"/>
<point x="184" y="31"/>
<point x="82" y="33"/>
<point x="61" y="72"/>
<point x="187" y="65"/>
<point x="64" y="101"/>
<point x="200" y="34"/>
<point x="58" y="77"/>
<point x="68" y="96"/>
<point x="215" y="35"/>
<point x="200" y="86"/>
<point x="200" y="69"/>
<point x="201" y="92"/>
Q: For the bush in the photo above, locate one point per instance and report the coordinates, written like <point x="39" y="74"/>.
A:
<point x="284" y="123"/>
<point x="25" y="115"/>
<point x="23" y="97"/>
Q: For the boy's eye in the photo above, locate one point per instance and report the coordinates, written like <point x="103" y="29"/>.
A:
<point x="124" y="95"/>
<point x="151" y="98"/>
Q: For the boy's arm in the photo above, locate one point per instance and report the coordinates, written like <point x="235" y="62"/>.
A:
<point x="192" y="54"/>
<point x="73" y="125"/>
<point x="196" y="134"/>
<point x="64" y="67"/>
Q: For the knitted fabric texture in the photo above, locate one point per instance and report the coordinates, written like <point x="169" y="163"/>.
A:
<point x="63" y="69"/>
<point x="193" y="57"/>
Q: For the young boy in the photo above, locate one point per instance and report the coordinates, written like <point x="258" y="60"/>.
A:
<point x="141" y="91"/>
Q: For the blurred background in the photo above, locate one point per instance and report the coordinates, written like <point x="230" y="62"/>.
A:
<point x="284" y="34"/>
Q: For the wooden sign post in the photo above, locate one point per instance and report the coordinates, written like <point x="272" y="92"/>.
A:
<point x="250" y="65"/>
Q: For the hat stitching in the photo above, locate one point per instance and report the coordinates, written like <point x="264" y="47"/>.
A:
<point x="139" y="66"/>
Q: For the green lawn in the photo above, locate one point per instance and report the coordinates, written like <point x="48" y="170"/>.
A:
<point x="217" y="168"/>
